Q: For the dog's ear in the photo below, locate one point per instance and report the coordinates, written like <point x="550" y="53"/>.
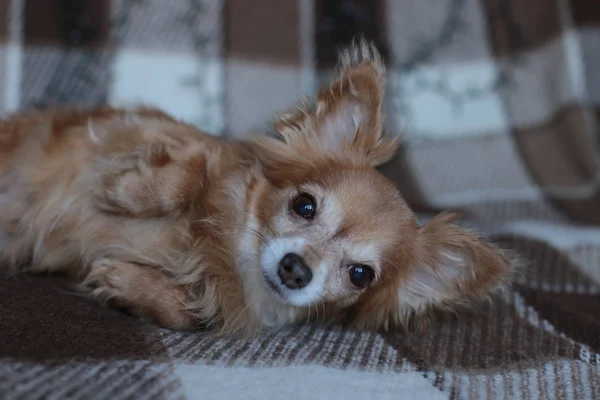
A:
<point x="452" y="266"/>
<point x="449" y="267"/>
<point x="347" y="116"/>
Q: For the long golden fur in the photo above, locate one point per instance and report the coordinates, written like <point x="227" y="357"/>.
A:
<point x="152" y="215"/>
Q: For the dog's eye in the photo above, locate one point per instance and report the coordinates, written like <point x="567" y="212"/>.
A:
<point x="360" y="275"/>
<point x="304" y="205"/>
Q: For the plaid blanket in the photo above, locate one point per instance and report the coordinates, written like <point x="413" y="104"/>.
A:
<point x="499" y="101"/>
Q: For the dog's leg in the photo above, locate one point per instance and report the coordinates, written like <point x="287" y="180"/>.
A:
<point x="156" y="184"/>
<point x="141" y="290"/>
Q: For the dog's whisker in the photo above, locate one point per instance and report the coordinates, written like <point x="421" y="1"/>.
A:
<point x="240" y="313"/>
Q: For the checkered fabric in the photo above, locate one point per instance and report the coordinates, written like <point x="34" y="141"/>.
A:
<point x="499" y="101"/>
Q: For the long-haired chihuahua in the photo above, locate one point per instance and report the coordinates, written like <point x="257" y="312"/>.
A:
<point x="188" y="229"/>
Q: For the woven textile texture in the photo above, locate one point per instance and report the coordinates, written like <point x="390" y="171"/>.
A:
<point x="499" y="102"/>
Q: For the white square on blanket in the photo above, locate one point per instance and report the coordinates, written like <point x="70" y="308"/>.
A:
<point x="183" y="85"/>
<point x="437" y="103"/>
<point x="301" y="382"/>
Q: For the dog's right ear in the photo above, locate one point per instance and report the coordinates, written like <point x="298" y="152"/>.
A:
<point x="346" y="118"/>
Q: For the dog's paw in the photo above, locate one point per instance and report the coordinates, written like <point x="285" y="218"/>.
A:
<point x="107" y="282"/>
<point x="142" y="291"/>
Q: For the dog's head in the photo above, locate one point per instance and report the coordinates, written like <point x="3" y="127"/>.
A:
<point x="337" y="233"/>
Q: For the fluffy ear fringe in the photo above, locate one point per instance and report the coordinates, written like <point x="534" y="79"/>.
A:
<point x="418" y="319"/>
<point x="452" y="269"/>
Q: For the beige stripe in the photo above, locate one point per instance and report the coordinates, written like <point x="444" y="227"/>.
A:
<point x="346" y="350"/>
<point x="351" y="348"/>
<point x="168" y="27"/>
<point x="304" y="345"/>
<point x="76" y="374"/>
<point x="170" y="339"/>
<point x="469" y="166"/>
<point x="492" y="215"/>
<point x="327" y="355"/>
<point x="177" y="344"/>
<point x="467" y="383"/>
<point x="359" y="351"/>
<point x="257" y="353"/>
<point x="570" y="371"/>
<point x="536" y="384"/>
<point x="79" y="386"/>
<point x="560" y="236"/>
<point x="104" y="379"/>
<point x="521" y="383"/>
<point x="414" y="25"/>
<point x="198" y="348"/>
<point x="295" y="349"/>
<point x="264" y="356"/>
<point x="549" y="380"/>
<point x="319" y="339"/>
<point x="306" y="15"/>
<point x="593" y="383"/>
<point x="173" y="342"/>
<point x="276" y="351"/>
<point x="110" y="382"/>
<point x="21" y="373"/>
<point x="587" y="258"/>
<point x="587" y="384"/>
<point x="546" y="380"/>
<point x="22" y="376"/>
<point x="377" y="351"/>
<point x="159" y="379"/>
<point x="483" y="170"/>
<point x="561" y="379"/>
<point x="13" y="58"/>
<point x="590" y="42"/>
<point x="473" y="390"/>
<point x="586" y="379"/>
<point x="289" y="349"/>
<point x="213" y="352"/>
<point x="578" y="384"/>
<point x="301" y="382"/>
<point x="2" y="75"/>
<point x="547" y="79"/>
<point x="53" y="378"/>
<point x="137" y="376"/>
<point x="236" y="351"/>
<point x="169" y="390"/>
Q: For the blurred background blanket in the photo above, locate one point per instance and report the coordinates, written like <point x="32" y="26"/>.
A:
<point x="499" y="101"/>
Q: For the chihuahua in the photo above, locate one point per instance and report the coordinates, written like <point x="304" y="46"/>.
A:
<point x="190" y="230"/>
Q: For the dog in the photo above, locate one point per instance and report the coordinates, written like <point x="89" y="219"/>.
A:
<point x="189" y="230"/>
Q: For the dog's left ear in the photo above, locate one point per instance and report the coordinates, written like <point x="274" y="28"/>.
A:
<point x="452" y="266"/>
<point x="448" y="267"/>
<point x="346" y="117"/>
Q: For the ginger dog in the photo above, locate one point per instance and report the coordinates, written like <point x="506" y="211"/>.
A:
<point x="191" y="230"/>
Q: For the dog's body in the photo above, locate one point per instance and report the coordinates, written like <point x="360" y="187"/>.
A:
<point x="189" y="229"/>
<point x="53" y="166"/>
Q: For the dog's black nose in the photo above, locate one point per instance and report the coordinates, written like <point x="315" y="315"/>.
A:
<point x="293" y="271"/>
